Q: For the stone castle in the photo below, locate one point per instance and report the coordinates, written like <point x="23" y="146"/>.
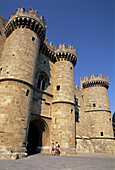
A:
<point x="38" y="101"/>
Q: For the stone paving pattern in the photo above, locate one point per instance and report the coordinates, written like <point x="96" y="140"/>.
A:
<point x="48" y="162"/>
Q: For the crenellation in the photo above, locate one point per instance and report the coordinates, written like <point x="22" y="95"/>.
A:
<point x="20" y="10"/>
<point x="32" y="11"/>
<point x="52" y="47"/>
<point x="68" y="54"/>
<point x="39" y="103"/>
<point x="92" y="76"/>
<point x="95" y="80"/>
<point x="86" y="78"/>
<point x="99" y="75"/>
<point x="29" y="20"/>
<point x="106" y="78"/>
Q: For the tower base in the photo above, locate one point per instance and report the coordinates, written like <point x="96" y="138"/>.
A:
<point x="63" y="151"/>
<point x="68" y="151"/>
<point x="97" y="145"/>
<point x="14" y="156"/>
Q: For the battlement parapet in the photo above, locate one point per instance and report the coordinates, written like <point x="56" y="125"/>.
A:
<point x="48" y="50"/>
<point x="94" y="81"/>
<point x="26" y="19"/>
<point x="70" y="49"/>
<point x="62" y="53"/>
<point x="69" y="54"/>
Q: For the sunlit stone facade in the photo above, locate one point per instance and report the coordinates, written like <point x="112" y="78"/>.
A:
<point x="38" y="101"/>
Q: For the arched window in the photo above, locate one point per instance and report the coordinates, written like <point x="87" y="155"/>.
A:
<point x="42" y="81"/>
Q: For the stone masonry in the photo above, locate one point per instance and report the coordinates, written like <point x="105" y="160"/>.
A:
<point x="38" y="101"/>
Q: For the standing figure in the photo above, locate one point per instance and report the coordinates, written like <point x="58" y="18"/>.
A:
<point x="53" y="149"/>
<point x="57" y="149"/>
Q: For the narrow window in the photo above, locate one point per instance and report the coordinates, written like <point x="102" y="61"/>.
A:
<point x="0" y="69"/>
<point x="33" y="38"/>
<point x="44" y="62"/>
<point x="94" y="105"/>
<point x="101" y="133"/>
<point x="39" y="83"/>
<point x="71" y="68"/>
<point x="71" y="111"/>
<point x="27" y="92"/>
<point x="0" y="33"/>
<point x="58" y="87"/>
<point x="43" y="85"/>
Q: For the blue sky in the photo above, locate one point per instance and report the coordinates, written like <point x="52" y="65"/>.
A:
<point x="88" y="25"/>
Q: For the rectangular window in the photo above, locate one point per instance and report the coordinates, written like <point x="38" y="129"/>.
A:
<point x="101" y="133"/>
<point x="27" y="92"/>
<point x="94" y="105"/>
<point x="33" y="38"/>
<point x="58" y="87"/>
<point x="0" y="69"/>
<point x="71" y="111"/>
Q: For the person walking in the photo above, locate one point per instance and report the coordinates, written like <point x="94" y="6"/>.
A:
<point x="57" y="149"/>
<point x="53" y="149"/>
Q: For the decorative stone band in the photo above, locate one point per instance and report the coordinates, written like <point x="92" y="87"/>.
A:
<point x="68" y="54"/>
<point x="29" y="20"/>
<point x="98" y="110"/>
<point x="28" y="84"/>
<point x="64" y="102"/>
<point x="89" y="138"/>
<point x="39" y="116"/>
<point x="95" y="81"/>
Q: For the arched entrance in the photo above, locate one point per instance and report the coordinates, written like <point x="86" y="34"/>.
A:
<point x="38" y="129"/>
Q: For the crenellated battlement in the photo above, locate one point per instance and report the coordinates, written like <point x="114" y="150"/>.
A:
<point x="26" y="19"/>
<point x="70" y="49"/>
<point x="61" y="53"/>
<point x="48" y="50"/>
<point x="69" y="54"/>
<point x="94" y="81"/>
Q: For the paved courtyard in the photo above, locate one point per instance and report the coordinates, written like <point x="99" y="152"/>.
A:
<point x="49" y="162"/>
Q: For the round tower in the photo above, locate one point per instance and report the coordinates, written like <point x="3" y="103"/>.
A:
<point x="63" y="107"/>
<point x="25" y="32"/>
<point x="97" y="114"/>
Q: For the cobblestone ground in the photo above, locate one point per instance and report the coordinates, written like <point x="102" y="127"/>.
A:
<point x="49" y="162"/>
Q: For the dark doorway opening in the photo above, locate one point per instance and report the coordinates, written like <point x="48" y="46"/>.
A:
<point x="34" y="140"/>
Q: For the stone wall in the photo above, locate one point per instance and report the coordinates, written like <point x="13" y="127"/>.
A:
<point x="63" y="109"/>
<point x="2" y="35"/>
<point x="86" y="145"/>
<point x="14" y="109"/>
<point x="18" y="61"/>
<point x="97" y="112"/>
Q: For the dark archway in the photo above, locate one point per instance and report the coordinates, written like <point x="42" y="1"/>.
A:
<point x="34" y="139"/>
<point x="35" y="136"/>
